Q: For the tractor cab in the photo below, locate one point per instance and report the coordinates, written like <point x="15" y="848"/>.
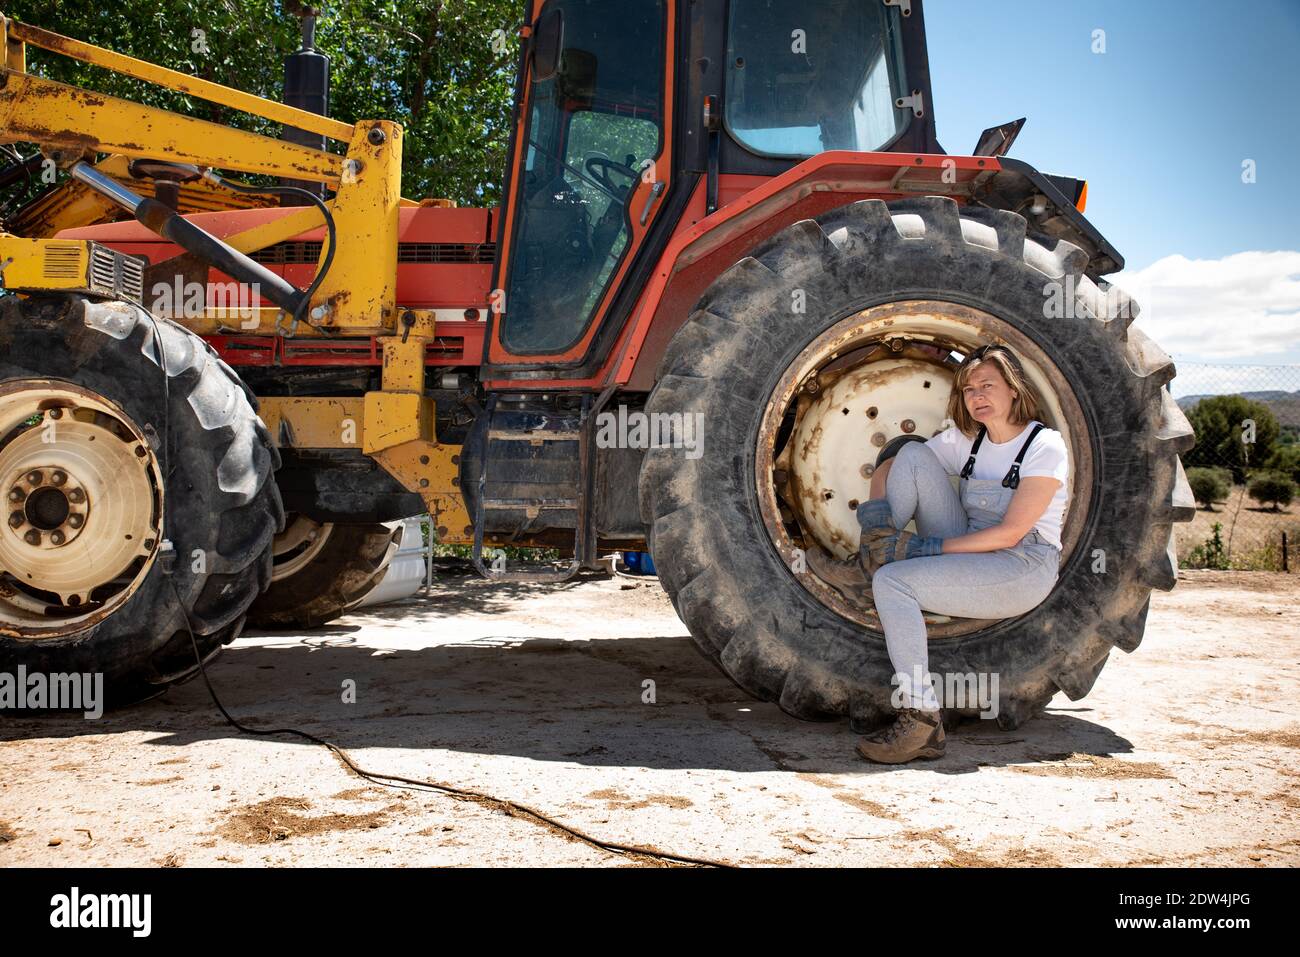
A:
<point x="628" y="110"/>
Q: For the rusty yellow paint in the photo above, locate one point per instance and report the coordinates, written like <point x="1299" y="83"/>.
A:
<point x="276" y="231"/>
<point x="314" y="423"/>
<point x="392" y="418"/>
<point x="73" y="204"/>
<point x="45" y="265"/>
<point x="181" y="82"/>
<point x="57" y="116"/>
<point x="361" y="289"/>
<point x="12" y="49"/>
<point x="403" y="363"/>
<point x="433" y="471"/>
<point x="69" y="205"/>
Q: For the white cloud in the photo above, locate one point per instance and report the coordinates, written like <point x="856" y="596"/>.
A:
<point x="1243" y="306"/>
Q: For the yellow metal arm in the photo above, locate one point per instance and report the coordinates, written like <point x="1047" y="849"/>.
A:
<point x="18" y="33"/>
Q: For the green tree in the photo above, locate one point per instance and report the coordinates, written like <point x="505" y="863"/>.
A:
<point x="1209" y="486"/>
<point x="1273" y="487"/>
<point x="443" y="69"/>
<point x="1220" y="434"/>
<point x="1286" y="459"/>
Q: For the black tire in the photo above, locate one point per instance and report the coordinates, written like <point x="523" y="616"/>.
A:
<point x="744" y="606"/>
<point x="347" y="568"/>
<point x="220" y="499"/>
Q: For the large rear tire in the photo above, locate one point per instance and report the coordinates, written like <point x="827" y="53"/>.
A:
<point x="322" y="570"/>
<point x="913" y="281"/>
<point x="140" y="496"/>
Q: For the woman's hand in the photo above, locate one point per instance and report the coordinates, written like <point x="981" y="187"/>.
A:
<point x="1026" y="508"/>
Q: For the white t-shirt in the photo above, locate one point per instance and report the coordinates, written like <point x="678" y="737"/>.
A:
<point x="1046" y="456"/>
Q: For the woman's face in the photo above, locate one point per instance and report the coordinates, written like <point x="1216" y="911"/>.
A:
<point x="987" y="396"/>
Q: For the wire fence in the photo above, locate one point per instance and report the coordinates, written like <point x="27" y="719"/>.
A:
<point x="1245" y="467"/>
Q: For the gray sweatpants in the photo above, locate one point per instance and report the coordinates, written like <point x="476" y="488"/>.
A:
<point x="1000" y="584"/>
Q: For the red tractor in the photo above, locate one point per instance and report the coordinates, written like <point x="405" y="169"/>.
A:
<point x="732" y="263"/>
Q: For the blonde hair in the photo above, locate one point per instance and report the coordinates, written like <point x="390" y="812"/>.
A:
<point x="1024" y="406"/>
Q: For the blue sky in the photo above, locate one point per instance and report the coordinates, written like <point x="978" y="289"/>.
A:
<point x="1159" y="125"/>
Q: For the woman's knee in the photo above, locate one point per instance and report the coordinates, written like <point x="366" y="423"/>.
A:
<point x="917" y="453"/>
<point x="888" y="580"/>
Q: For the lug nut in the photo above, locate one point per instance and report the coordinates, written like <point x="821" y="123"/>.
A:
<point x="58" y="477"/>
<point x="57" y="537"/>
<point x="16" y="494"/>
<point x="148" y="544"/>
<point x="35" y="478"/>
<point x="76" y="496"/>
<point x="56" y="413"/>
<point x="75" y="520"/>
<point x="74" y="600"/>
<point x="16" y="519"/>
<point x="33" y="537"/>
<point x="139" y="451"/>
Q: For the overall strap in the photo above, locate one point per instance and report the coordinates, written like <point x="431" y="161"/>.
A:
<point x="970" y="462"/>
<point x="1012" y="479"/>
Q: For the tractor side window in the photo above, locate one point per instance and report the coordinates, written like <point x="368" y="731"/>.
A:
<point x="594" y="125"/>
<point x="806" y="78"/>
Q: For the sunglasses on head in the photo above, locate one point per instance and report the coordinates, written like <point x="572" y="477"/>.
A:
<point x="983" y="351"/>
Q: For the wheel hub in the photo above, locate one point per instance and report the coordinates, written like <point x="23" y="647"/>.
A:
<point x="84" y="507"/>
<point x="49" y="508"/>
<point x="837" y="439"/>
<point x="295" y="548"/>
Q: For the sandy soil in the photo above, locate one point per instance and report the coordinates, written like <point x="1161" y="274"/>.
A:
<point x="1185" y="753"/>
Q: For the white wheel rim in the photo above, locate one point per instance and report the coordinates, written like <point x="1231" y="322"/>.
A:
<point x="83" y="507"/>
<point x="912" y="341"/>
<point x="298" y="545"/>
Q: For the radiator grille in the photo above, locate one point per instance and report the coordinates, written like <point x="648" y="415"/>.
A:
<point x="299" y="253"/>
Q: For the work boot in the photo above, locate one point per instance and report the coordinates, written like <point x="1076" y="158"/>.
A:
<point x="914" y="734"/>
<point x="846" y="577"/>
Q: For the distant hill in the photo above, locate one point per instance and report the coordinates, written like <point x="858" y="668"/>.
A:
<point x="1284" y="405"/>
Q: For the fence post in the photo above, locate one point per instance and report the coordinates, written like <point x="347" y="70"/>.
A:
<point x="1284" y="568"/>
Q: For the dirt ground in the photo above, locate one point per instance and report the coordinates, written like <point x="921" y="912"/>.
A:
<point x="1184" y="754"/>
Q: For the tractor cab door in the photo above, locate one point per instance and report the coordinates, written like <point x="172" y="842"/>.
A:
<point x="590" y="168"/>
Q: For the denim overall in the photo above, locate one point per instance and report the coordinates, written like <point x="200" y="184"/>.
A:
<point x="986" y="500"/>
<point x="981" y="585"/>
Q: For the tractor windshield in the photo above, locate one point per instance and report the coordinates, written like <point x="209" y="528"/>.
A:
<point x="809" y="77"/>
<point x="594" y="122"/>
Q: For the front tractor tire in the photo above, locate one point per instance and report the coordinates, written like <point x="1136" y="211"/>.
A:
<point x="140" y="505"/>
<point x="836" y="336"/>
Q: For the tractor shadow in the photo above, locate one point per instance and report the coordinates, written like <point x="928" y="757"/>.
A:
<point x="573" y="700"/>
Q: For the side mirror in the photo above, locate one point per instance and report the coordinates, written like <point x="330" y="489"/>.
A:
<point x="548" y="41"/>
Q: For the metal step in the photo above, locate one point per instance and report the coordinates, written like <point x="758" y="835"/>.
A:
<point x="533" y="508"/>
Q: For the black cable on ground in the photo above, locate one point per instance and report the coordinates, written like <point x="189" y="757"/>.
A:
<point x="513" y="808"/>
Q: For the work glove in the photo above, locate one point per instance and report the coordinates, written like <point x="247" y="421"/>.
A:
<point x="880" y="550"/>
<point x="875" y="514"/>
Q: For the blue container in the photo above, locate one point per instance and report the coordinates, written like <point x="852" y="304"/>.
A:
<point x="639" y="563"/>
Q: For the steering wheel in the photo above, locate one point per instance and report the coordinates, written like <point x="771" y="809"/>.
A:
<point x="600" y="165"/>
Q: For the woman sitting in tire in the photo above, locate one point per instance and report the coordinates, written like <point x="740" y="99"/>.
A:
<point x="994" y="552"/>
